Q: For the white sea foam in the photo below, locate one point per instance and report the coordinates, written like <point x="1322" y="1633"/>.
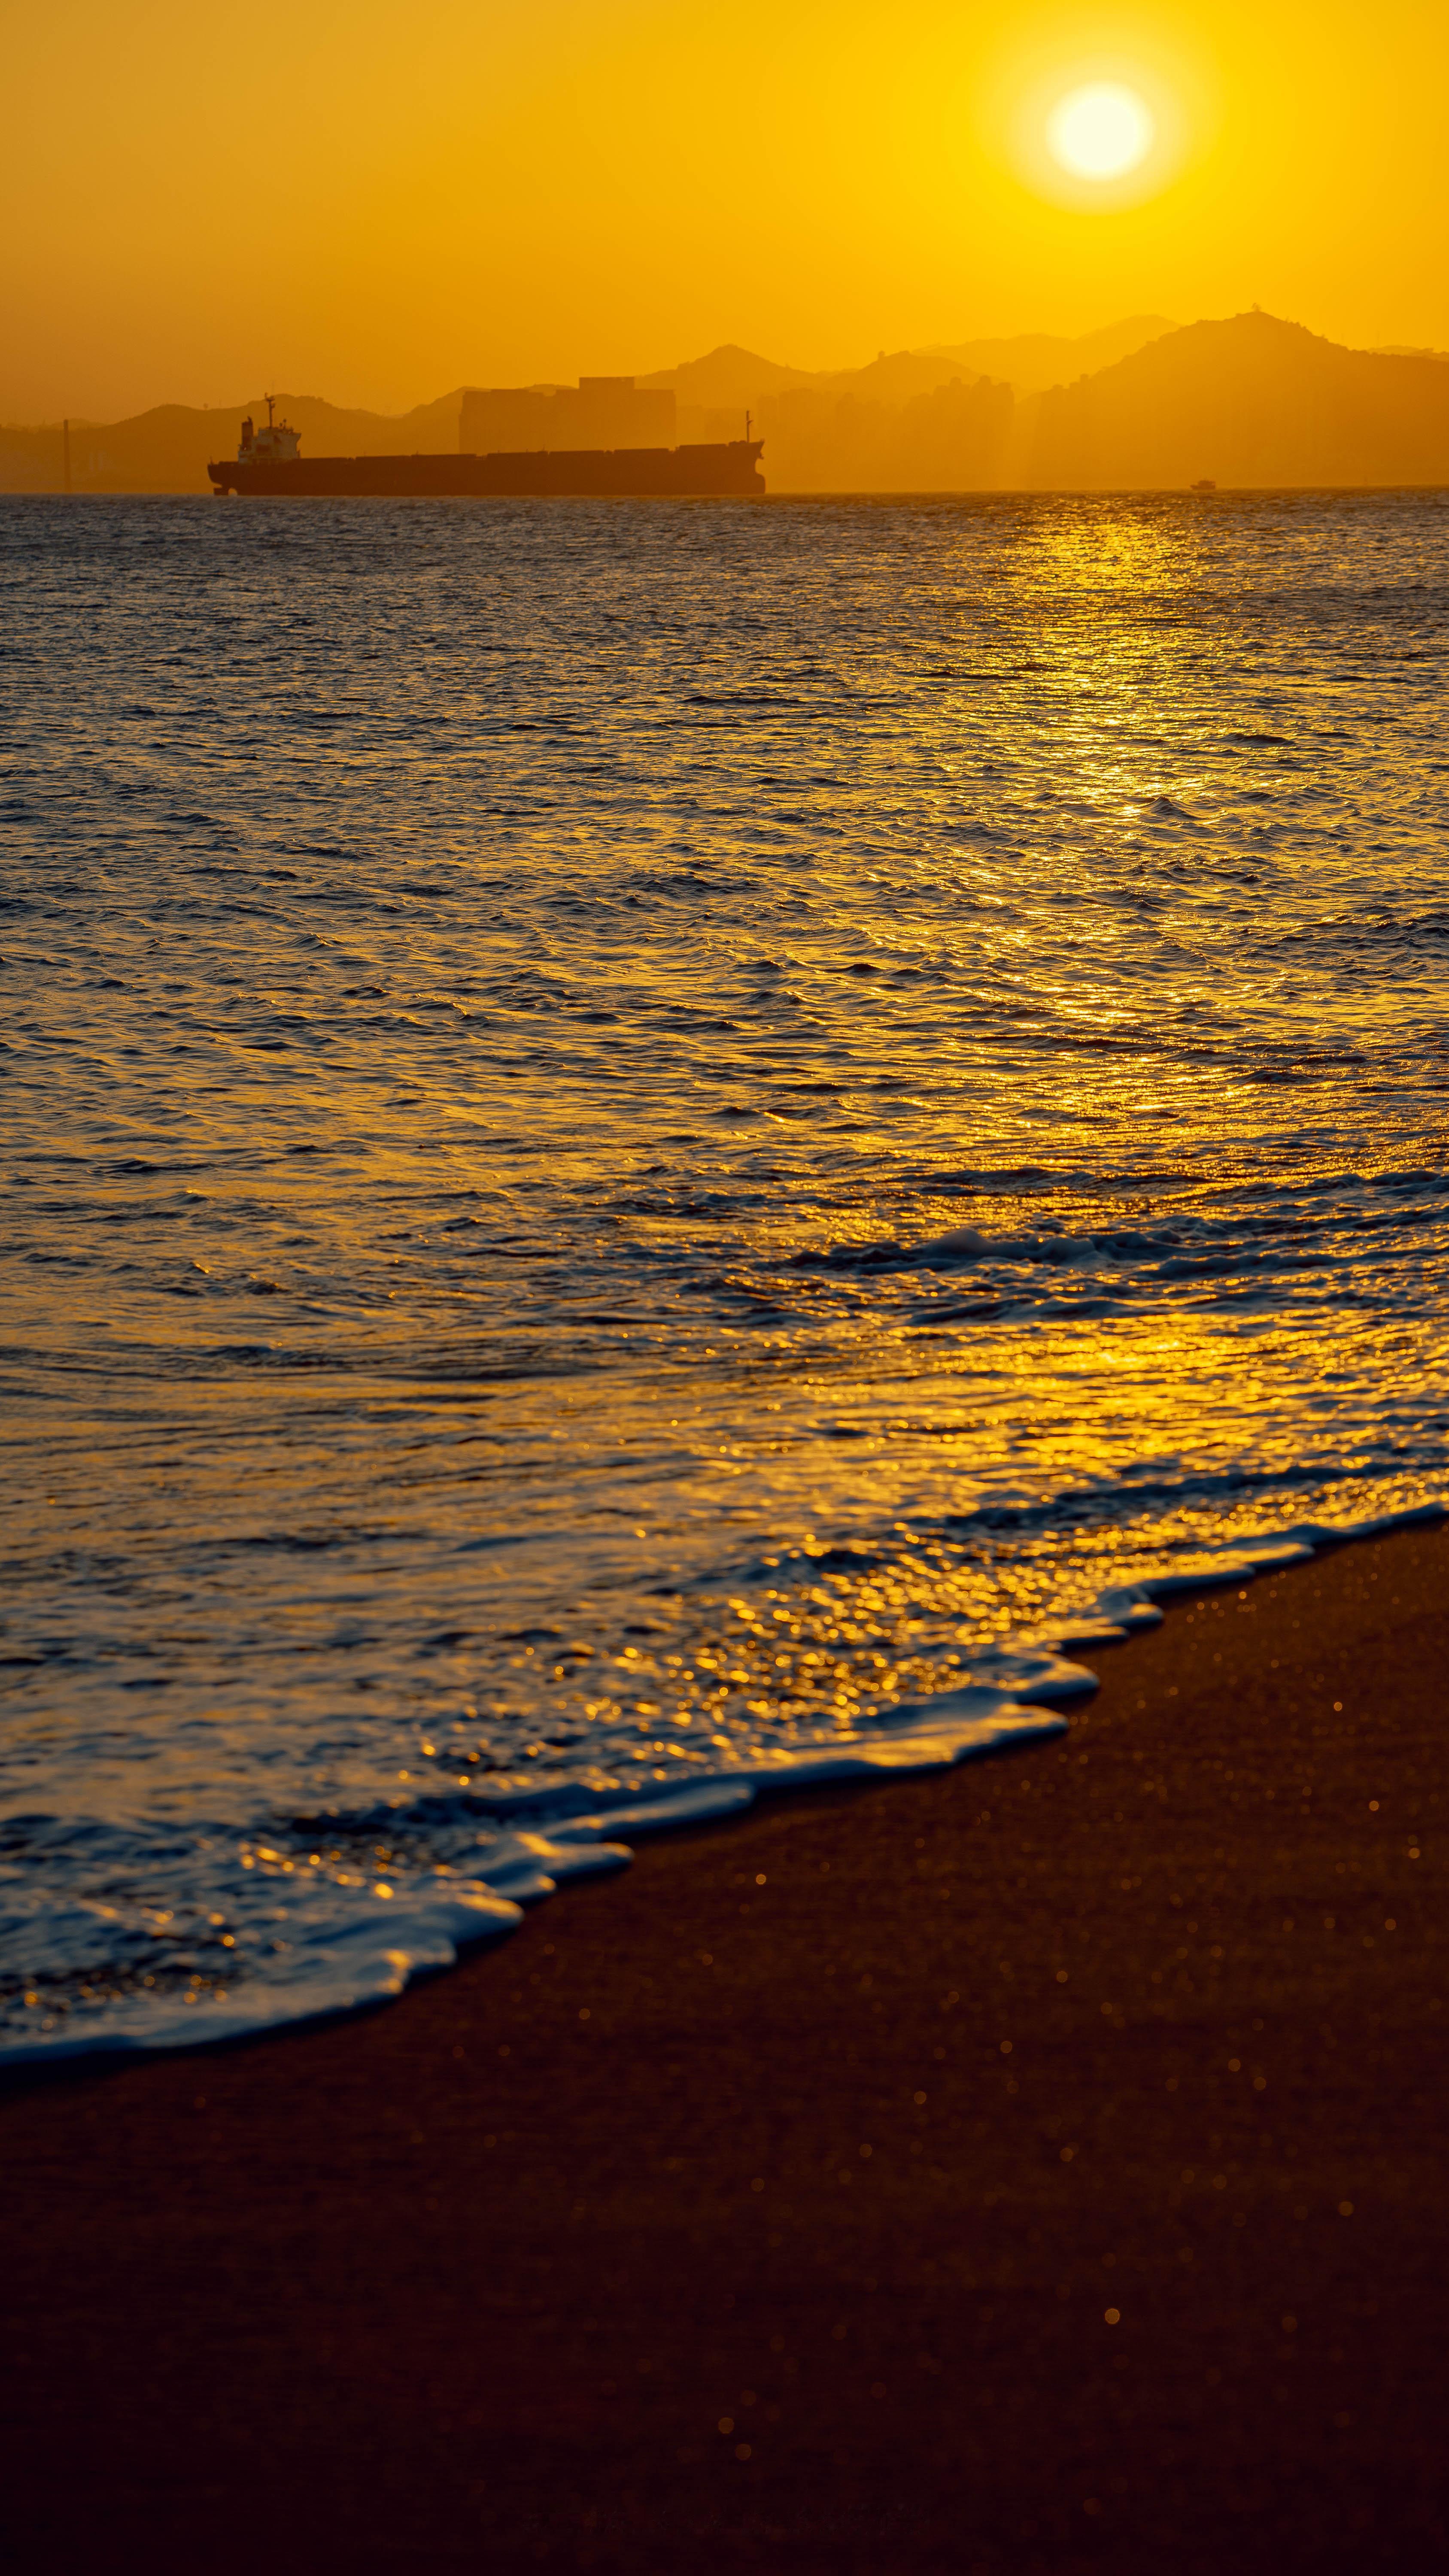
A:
<point x="332" y="1959"/>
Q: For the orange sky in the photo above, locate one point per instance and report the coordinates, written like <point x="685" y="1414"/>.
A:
<point x="383" y="199"/>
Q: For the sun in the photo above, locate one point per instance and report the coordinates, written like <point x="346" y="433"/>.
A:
<point x="1101" y="131"/>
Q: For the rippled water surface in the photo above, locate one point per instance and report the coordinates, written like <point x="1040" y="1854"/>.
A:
<point x="642" y="1136"/>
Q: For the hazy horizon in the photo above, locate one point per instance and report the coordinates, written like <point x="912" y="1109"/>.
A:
<point x="1252" y="402"/>
<point x="568" y="373"/>
<point x="589" y="186"/>
<point x="1030" y="379"/>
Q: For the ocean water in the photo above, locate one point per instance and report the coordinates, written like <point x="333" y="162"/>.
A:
<point x="655" y="1148"/>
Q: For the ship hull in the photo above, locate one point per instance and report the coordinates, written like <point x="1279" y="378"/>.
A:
<point x="623" y="473"/>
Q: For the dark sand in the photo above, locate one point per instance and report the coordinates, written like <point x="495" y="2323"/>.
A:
<point x="1039" y="2167"/>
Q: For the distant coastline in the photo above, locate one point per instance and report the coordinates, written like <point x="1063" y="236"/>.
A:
<point x="1250" y="402"/>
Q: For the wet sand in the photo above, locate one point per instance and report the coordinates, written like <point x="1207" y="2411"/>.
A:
<point x="1037" y="2167"/>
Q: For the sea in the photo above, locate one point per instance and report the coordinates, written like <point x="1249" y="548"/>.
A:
<point x="656" y="1152"/>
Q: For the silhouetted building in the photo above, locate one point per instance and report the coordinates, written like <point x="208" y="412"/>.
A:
<point x="604" y="411"/>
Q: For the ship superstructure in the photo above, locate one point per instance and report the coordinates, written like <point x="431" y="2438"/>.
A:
<point x="278" y="443"/>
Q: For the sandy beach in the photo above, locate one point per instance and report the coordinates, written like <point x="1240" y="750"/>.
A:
<point x="1034" y="2167"/>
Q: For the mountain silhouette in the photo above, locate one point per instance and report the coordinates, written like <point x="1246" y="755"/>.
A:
<point x="1252" y="401"/>
<point x="1030" y="361"/>
<point x="167" y="449"/>
<point x="727" y="379"/>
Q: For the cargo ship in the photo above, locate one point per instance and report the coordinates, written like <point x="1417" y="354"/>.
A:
<point x="269" y="465"/>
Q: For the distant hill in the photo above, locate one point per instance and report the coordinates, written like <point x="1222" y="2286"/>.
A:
<point x="814" y="445"/>
<point x="1033" y="360"/>
<point x="727" y="379"/>
<point x="793" y="409"/>
<point x="1251" y="401"/>
<point x="730" y="378"/>
<point x="715" y="390"/>
<point x="168" y="449"/>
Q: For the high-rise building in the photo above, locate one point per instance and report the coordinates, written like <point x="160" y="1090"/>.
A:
<point x="603" y="411"/>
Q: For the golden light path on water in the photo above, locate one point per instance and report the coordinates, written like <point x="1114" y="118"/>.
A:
<point x="646" y="1137"/>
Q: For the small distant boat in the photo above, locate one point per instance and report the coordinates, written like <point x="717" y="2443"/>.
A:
<point x="1206" y="485"/>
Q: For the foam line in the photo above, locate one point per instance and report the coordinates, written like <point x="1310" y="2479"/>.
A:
<point x="373" y="1959"/>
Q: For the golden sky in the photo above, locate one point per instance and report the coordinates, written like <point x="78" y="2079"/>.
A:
<point x="379" y="199"/>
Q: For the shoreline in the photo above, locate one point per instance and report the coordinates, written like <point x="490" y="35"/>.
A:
<point x="982" y="1719"/>
<point x="478" y="2278"/>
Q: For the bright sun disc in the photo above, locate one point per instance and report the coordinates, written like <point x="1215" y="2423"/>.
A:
<point x="1100" y="132"/>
